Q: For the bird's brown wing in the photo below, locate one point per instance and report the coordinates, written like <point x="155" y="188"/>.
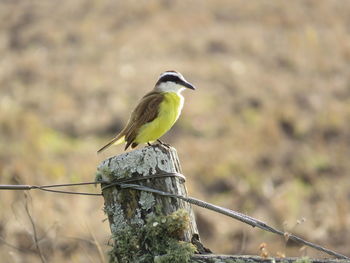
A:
<point x="146" y="111"/>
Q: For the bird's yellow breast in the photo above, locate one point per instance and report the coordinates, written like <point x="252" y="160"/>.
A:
<point x="169" y="111"/>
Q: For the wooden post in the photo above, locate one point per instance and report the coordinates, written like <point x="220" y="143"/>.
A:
<point x="147" y="227"/>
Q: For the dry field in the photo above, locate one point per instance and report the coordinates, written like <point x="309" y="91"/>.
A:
<point x="266" y="133"/>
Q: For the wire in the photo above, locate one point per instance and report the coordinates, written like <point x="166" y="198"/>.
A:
<point x="45" y="188"/>
<point x="124" y="183"/>
<point x="107" y="184"/>
<point x="239" y="216"/>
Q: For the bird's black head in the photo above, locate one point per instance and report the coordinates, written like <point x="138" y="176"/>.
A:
<point x="173" y="81"/>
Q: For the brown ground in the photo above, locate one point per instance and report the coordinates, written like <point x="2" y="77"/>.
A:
<point x="267" y="132"/>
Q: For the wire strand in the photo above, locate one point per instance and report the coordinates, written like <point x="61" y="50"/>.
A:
<point x="124" y="183"/>
<point x="236" y="215"/>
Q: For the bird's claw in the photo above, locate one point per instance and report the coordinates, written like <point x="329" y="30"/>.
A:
<point x="163" y="143"/>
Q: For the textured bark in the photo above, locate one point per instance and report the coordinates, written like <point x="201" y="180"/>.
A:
<point x="128" y="209"/>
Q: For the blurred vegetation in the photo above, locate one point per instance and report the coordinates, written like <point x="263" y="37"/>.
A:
<point x="267" y="132"/>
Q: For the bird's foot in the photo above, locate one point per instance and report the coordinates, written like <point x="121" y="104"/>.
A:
<point x="149" y="144"/>
<point x="163" y="143"/>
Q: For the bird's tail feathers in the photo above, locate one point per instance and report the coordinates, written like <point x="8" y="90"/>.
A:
<point x="117" y="140"/>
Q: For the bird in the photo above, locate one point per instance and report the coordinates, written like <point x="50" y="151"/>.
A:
<point x="155" y="113"/>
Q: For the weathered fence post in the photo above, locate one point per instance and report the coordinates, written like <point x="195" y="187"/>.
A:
<point x="147" y="227"/>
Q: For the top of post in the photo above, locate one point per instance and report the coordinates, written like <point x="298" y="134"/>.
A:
<point x="145" y="161"/>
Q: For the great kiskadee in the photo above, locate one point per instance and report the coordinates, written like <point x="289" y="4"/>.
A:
<point x="156" y="112"/>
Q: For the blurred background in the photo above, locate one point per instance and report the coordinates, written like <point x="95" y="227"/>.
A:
<point x="266" y="133"/>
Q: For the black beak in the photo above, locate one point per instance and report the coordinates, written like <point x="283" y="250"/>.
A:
<point x="188" y="85"/>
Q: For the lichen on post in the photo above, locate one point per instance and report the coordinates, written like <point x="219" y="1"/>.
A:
<point x="147" y="227"/>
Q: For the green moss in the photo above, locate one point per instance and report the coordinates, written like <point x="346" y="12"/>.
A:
<point x="303" y="260"/>
<point x="103" y="174"/>
<point x="163" y="233"/>
<point x="237" y="261"/>
<point x="127" y="245"/>
<point x="158" y="241"/>
<point x="176" y="251"/>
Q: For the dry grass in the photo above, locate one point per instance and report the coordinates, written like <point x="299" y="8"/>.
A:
<point x="266" y="133"/>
